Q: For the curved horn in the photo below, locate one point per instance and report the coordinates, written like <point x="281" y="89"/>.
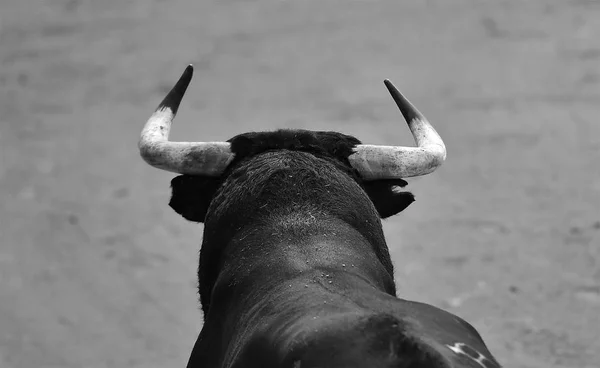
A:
<point x="194" y="158"/>
<point x="392" y="162"/>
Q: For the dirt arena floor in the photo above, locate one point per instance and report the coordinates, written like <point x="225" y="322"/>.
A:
<point x="97" y="271"/>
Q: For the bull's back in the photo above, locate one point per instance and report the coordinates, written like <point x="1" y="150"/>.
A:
<point x="345" y="340"/>
<point x="373" y="330"/>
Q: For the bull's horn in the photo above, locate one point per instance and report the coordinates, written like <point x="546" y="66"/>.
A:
<point x="194" y="158"/>
<point x="391" y="162"/>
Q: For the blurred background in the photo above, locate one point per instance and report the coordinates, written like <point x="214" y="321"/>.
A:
<point x="97" y="271"/>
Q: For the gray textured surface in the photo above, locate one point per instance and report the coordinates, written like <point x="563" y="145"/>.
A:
<point x="97" y="271"/>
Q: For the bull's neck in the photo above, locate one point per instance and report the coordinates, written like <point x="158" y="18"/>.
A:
<point x="297" y="247"/>
<point x="287" y="269"/>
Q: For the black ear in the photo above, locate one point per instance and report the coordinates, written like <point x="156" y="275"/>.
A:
<point x="191" y="195"/>
<point x="385" y="196"/>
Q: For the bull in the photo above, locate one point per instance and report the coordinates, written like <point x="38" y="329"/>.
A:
<point x="294" y="269"/>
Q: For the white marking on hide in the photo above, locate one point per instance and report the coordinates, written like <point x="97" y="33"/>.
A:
<point x="457" y="348"/>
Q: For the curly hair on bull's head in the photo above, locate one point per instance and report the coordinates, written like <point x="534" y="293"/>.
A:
<point x="192" y="194"/>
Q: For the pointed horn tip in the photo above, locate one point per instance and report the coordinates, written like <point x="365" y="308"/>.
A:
<point x="175" y="95"/>
<point x="408" y="110"/>
<point x="393" y="89"/>
<point x="187" y="74"/>
<point x="185" y="78"/>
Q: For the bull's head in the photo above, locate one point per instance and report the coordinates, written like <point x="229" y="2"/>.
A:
<point x="380" y="168"/>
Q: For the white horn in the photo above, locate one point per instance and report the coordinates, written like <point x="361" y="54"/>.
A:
<point x="393" y="162"/>
<point x="193" y="158"/>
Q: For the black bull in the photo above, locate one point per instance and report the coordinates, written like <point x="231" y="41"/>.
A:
<point x="294" y="267"/>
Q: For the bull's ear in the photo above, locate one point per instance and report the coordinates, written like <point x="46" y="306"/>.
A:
<point x="191" y="195"/>
<point x="387" y="198"/>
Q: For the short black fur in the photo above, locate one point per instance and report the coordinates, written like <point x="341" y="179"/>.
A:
<point x="191" y="195"/>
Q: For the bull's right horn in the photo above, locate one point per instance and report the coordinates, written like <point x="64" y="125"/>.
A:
<point x="193" y="158"/>
<point x="393" y="162"/>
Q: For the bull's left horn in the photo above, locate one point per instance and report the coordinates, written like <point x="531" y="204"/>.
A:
<point x="392" y="162"/>
<point x="193" y="158"/>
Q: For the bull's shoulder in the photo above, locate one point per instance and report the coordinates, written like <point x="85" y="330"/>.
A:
<point x="341" y="340"/>
<point x="453" y="337"/>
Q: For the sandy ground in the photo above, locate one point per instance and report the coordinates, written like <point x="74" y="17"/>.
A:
<point x="97" y="271"/>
